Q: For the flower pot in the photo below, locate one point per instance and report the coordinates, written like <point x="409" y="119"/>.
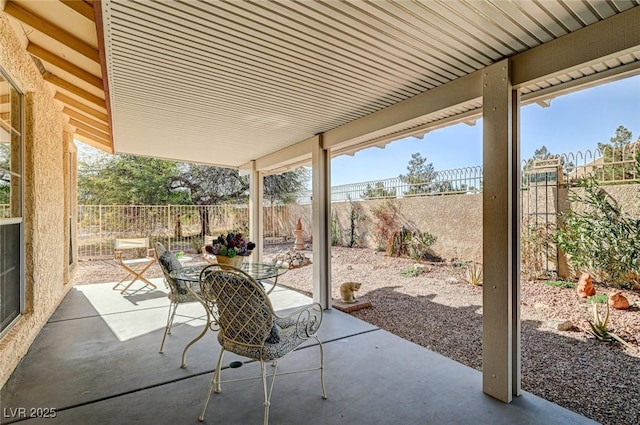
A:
<point x="236" y="261"/>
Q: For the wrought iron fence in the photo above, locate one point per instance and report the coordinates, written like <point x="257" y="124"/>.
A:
<point x="180" y="227"/>
<point x="447" y="182"/>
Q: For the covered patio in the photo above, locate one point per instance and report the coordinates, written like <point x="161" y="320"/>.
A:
<point x="263" y="87"/>
<point x="97" y="361"/>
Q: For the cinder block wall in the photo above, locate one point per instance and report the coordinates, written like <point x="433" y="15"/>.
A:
<point x="47" y="149"/>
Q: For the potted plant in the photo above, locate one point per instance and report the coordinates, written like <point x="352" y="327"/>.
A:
<point x="230" y="249"/>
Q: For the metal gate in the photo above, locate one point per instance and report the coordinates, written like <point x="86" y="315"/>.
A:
<point x="539" y="208"/>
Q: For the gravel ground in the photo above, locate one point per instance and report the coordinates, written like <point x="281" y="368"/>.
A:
<point x="570" y="368"/>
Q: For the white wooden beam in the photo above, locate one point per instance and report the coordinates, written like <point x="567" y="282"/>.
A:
<point x="292" y="154"/>
<point x="498" y="237"/>
<point x="457" y="92"/>
<point x="321" y="223"/>
<point x="256" y="211"/>
<point x="598" y="42"/>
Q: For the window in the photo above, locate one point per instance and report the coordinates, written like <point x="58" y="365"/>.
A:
<point x="11" y="220"/>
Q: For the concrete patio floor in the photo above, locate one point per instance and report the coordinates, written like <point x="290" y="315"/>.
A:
<point x="97" y="362"/>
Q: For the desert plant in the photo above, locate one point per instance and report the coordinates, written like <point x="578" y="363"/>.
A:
<point x="536" y="241"/>
<point x="355" y="216"/>
<point x="600" y="328"/>
<point x="598" y="299"/>
<point x="403" y="242"/>
<point x="335" y="231"/>
<point x="474" y="274"/>
<point x="420" y="243"/>
<point x="560" y="284"/>
<point x="385" y="215"/>
<point x="602" y="239"/>
<point x="411" y="272"/>
<point x="398" y="244"/>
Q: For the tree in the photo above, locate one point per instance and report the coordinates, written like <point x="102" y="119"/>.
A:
<point x="540" y="154"/>
<point x="286" y="187"/>
<point x="378" y="191"/>
<point x="617" y="156"/>
<point x="131" y="180"/>
<point x="128" y="180"/>
<point x="420" y="175"/>
<point x="208" y="185"/>
<point x="5" y="176"/>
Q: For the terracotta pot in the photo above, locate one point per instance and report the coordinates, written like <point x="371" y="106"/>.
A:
<point x="618" y="301"/>
<point x="236" y="261"/>
<point x="585" y="287"/>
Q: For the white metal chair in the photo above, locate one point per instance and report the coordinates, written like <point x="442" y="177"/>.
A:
<point x="249" y="327"/>
<point x="179" y="292"/>
<point x="133" y="266"/>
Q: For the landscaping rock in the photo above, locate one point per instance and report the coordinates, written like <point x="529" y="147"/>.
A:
<point x="585" y="288"/>
<point x="423" y="268"/>
<point x="560" y="325"/>
<point x="291" y="259"/>
<point x="618" y="301"/>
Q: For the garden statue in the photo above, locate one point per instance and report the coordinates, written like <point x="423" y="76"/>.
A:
<point x="585" y="287"/>
<point x="347" y="290"/>
<point x="618" y="301"/>
<point x="299" y="243"/>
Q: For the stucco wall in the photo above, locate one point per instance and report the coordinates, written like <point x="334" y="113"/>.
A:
<point x="456" y="220"/>
<point x="46" y="267"/>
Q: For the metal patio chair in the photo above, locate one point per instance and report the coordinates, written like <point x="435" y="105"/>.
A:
<point x="250" y="328"/>
<point x="178" y="291"/>
<point x="133" y="266"/>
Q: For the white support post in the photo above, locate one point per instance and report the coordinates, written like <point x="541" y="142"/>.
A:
<point x="516" y="217"/>
<point x="321" y="218"/>
<point x="256" y="211"/>
<point x="500" y="340"/>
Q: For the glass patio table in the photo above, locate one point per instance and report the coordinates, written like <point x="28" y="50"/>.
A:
<point x="261" y="272"/>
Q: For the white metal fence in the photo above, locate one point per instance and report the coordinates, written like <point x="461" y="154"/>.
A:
<point x="179" y="227"/>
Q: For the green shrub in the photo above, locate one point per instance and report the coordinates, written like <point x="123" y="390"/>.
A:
<point x="601" y="238"/>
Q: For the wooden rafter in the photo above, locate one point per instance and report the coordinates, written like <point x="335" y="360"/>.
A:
<point x="85" y="119"/>
<point x="55" y="60"/>
<point x="83" y="8"/>
<point x="64" y="84"/>
<point x="51" y="30"/>
<point x="4" y="98"/>
<point x="92" y="136"/>
<point x="72" y="103"/>
<point x="89" y="130"/>
<point x="93" y="141"/>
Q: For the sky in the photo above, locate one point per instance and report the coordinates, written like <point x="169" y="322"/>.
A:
<point x="573" y="122"/>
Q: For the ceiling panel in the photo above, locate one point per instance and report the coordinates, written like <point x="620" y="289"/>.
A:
<point x="227" y="82"/>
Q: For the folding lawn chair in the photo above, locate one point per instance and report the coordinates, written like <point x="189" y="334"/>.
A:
<point x="133" y="266"/>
